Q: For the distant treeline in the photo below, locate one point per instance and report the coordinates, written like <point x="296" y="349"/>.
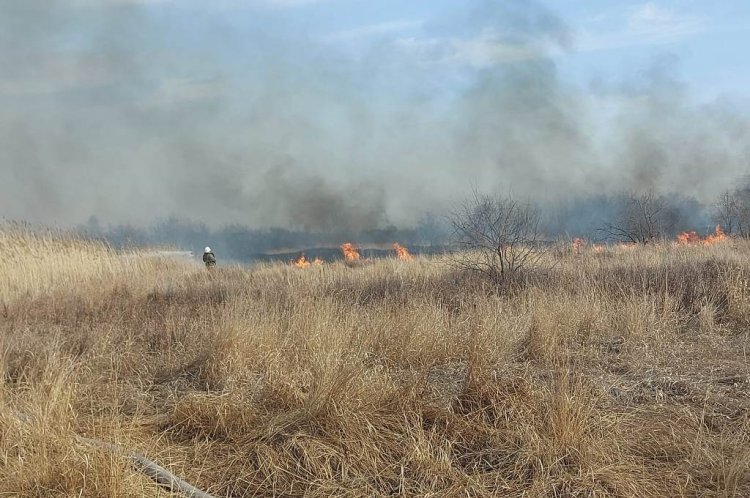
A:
<point x="241" y="243"/>
<point x="578" y="217"/>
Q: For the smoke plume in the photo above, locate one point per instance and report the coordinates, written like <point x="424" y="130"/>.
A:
<point x="136" y="110"/>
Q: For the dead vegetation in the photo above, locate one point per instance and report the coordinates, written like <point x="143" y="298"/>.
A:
<point x="622" y="373"/>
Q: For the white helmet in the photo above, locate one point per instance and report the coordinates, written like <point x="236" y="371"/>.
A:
<point x="207" y="249"/>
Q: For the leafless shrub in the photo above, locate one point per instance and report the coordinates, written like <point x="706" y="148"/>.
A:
<point x="498" y="236"/>
<point x="642" y="219"/>
<point x="732" y="211"/>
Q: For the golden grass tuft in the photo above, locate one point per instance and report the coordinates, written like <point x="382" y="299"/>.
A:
<point x="623" y="374"/>
<point x="38" y="262"/>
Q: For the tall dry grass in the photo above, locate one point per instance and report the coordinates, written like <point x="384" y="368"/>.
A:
<point x="37" y="262"/>
<point x="615" y="374"/>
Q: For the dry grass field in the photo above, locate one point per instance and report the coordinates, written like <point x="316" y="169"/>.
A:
<point x="624" y="372"/>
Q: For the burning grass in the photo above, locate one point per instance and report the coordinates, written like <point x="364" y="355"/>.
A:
<point x="687" y="238"/>
<point x="402" y="253"/>
<point x="350" y="251"/>
<point x="619" y="376"/>
<point x="303" y="262"/>
<point x="690" y="238"/>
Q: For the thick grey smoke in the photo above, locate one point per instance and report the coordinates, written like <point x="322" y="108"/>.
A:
<point x="133" y="112"/>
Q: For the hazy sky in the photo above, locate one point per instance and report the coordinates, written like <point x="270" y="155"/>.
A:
<point x="361" y="112"/>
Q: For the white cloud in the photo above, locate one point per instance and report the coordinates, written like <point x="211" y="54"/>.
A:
<point x="488" y="49"/>
<point x="651" y="19"/>
<point x="650" y="13"/>
<point x="645" y="24"/>
<point x="374" y="30"/>
<point x="485" y="49"/>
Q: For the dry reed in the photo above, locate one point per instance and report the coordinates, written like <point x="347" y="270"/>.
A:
<point x="621" y="373"/>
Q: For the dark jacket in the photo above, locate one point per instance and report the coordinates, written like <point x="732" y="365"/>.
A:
<point x="209" y="258"/>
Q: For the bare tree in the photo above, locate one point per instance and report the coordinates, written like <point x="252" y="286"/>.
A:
<point x="641" y="219"/>
<point x="732" y="211"/>
<point x="726" y="212"/>
<point x="498" y="236"/>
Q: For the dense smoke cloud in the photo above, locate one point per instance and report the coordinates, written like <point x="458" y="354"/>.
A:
<point x="120" y="116"/>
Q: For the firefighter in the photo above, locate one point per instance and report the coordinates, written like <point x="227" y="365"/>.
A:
<point x="209" y="258"/>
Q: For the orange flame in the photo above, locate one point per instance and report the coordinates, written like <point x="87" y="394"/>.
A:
<point x="301" y="262"/>
<point x="578" y="244"/>
<point x="351" y="253"/>
<point x="318" y="262"/>
<point x="717" y="236"/>
<point x="402" y="253"/>
<point x="686" y="238"/>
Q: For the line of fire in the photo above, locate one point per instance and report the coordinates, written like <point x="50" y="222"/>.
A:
<point x="690" y="238"/>
<point x="351" y="254"/>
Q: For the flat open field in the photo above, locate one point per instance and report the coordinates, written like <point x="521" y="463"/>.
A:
<point x="624" y="372"/>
